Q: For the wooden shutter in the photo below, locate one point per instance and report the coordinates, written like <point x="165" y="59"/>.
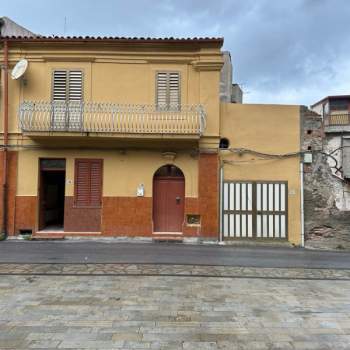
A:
<point x="67" y="85"/>
<point x="88" y="182"/>
<point x="168" y="90"/>
<point x="162" y="89"/>
<point x="174" y="90"/>
<point x="75" y="85"/>
<point x="59" y="85"/>
<point x="96" y="183"/>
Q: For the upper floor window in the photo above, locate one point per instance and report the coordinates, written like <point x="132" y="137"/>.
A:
<point x="168" y="90"/>
<point x="67" y="85"/>
<point x="339" y="105"/>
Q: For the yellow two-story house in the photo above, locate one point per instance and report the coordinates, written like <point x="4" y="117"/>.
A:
<point x="128" y="137"/>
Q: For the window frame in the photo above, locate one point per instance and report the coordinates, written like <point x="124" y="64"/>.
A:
<point x="67" y="70"/>
<point x="90" y="160"/>
<point x="168" y="72"/>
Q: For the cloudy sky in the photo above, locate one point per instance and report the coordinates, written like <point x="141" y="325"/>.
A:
<point x="283" y="51"/>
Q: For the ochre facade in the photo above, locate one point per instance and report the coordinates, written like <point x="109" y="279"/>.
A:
<point x="267" y="130"/>
<point x="124" y="73"/>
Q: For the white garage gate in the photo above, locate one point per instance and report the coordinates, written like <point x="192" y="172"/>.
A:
<point x="255" y="209"/>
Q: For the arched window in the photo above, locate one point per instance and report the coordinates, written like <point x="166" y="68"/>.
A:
<point x="169" y="170"/>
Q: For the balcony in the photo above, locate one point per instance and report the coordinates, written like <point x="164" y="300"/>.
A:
<point x="339" y="122"/>
<point x="110" y="119"/>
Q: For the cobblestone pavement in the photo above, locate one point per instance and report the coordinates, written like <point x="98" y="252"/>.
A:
<point x="166" y="270"/>
<point x="51" y="306"/>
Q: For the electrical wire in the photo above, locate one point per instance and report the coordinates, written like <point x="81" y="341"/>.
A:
<point x="266" y="156"/>
<point x="240" y="151"/>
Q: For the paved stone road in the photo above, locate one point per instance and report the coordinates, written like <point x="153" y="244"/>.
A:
<point x="110" y="251"/>
<point x="173" y="270"/>
<point x="170" y="311"/>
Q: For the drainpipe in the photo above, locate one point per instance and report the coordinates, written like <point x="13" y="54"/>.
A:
<point x="220" y="202"/>
<point x="4" y="232"/>
<point x="302" y="202"/>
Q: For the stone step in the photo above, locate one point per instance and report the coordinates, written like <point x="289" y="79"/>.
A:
<point x="48" y="236"/>
<point x="167" y="238"/>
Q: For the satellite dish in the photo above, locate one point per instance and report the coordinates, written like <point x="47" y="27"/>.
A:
<point x="19" y="69"/>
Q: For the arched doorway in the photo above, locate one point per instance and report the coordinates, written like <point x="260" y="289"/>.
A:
<point x="168" y="199"/>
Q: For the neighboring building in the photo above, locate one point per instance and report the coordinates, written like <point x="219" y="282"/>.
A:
<point x="335" y="114"/>
<point x="10" y="28"/>
<point x="128" y="137"/>
<point x="332" y="105"/>
<point x="229" y="92"/>
<point x="261" y="171"/>
<point x="327" y="187"/>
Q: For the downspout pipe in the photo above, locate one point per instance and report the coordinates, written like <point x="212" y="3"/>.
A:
<point x="221" y="185"/>
<point x="4" y="232"/>
<point x="302" y="204"/>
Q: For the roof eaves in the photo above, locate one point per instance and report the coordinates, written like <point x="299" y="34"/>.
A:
<point x="39" y="38"/>
<point x="329" y="98"/>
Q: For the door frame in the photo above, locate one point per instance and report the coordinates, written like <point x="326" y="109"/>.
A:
<point x="40" y="219"/>
<point x="177" y="179"/>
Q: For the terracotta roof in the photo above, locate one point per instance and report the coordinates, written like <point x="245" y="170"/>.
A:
<point x="218" y="41"/>
<point x="330" y="98"/>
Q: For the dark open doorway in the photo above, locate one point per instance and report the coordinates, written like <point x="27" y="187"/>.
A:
<point x="52" y="190"/>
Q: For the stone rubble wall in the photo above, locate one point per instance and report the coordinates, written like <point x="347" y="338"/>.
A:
<point x="326" y="194"/>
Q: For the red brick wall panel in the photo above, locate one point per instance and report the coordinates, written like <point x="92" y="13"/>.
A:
<point x="12" y="188"/>
<point x="208" y="191"/>
<point x="81" y="219"/>
<point x="26" y="213"/>
<point x="127" y="216"/>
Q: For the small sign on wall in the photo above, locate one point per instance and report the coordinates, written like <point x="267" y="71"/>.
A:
<point x="140" y="192"/>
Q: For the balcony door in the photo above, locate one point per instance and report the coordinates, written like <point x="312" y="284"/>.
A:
<point x="168" y="199"/>
<point x="67" y="96"/>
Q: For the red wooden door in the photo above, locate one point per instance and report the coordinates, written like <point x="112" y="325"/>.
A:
<point x="168" y="204"/>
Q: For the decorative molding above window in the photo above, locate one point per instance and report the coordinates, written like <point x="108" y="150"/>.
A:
<point x="207" y="65"/>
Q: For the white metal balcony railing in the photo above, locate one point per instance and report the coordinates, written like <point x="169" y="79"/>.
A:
<point x="74" y="116"/>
